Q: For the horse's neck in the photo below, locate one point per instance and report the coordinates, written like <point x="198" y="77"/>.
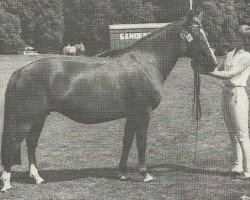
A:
<point x="161" y="53"/>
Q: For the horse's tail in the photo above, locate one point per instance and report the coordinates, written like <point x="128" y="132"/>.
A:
<point x="13" y="80"/>
<point x="10" y="125"/>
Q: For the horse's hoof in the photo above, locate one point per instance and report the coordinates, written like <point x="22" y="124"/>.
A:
<point x="5" y="188"/>
<point x="39" y="181"/>
<point x="148" y="178"/>
<point x="123" y="177"/>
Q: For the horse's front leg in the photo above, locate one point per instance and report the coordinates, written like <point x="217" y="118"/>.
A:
<point x="136" y="124"/>
<point x="141" y="143"/>
<point x="127" y="143"/>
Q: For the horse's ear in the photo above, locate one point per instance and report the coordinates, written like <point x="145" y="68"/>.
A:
<point x="190" y="18"/>
<point x="199" y="17"/>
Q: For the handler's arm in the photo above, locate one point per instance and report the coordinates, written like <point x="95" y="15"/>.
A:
<point x="235" y="70"/>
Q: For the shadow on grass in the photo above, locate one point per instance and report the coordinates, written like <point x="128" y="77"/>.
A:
<point x="67" y="174"/>
<point x="109" y="173"/>
<point x="185" y="169"/>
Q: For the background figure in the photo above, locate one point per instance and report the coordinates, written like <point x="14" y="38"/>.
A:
<point x="80" y="49"/>
<point x="69" y="50"/>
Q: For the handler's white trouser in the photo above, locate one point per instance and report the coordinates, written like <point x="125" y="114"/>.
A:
<point x="235" y="111"/>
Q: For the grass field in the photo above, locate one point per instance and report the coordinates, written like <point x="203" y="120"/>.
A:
<point x="79" y="161"/>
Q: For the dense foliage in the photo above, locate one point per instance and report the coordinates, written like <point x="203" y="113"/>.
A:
<point x="10" y="30"/>
<point x="48" y="25"/>
<point x="87" y="20"/>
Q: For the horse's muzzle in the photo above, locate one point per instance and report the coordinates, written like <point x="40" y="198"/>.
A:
<point x="203" y="68"/>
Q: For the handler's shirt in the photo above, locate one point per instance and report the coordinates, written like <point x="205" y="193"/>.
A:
<point x="238" y="62"/>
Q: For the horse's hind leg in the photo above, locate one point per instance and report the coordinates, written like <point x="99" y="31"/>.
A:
<point x="127" y="143"/>
<point x="32" y="141"/>
<point x="13" y="135"/>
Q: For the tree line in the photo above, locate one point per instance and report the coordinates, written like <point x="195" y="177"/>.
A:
<point x="48" y="25"/>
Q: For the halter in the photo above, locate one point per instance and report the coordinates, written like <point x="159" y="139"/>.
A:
<point x="185" y="35"/>
<point x="196" y="108"/>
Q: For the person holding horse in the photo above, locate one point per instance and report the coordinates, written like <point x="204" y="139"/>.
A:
<point x="234" y="69"/>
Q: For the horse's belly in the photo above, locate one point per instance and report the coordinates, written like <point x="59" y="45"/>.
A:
<point x="93" y="107"/>
<point x="92" y="116"/>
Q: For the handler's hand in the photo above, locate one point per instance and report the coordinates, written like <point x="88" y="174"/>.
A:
<point x="213" y="73"/>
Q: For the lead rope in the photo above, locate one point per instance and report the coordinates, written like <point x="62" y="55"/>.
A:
<point x="196" y="108"/>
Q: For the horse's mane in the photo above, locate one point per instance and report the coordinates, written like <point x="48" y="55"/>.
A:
<point x="153" y="34"/>
<point x="156" y="33"/>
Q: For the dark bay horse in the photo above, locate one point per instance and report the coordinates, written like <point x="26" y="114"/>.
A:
<point x="127" y="85"/>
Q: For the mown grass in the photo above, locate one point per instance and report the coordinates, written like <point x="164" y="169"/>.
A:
<point x="79" y="161"/>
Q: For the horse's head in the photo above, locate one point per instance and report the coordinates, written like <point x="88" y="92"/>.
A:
<point x="197" y="45"/>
